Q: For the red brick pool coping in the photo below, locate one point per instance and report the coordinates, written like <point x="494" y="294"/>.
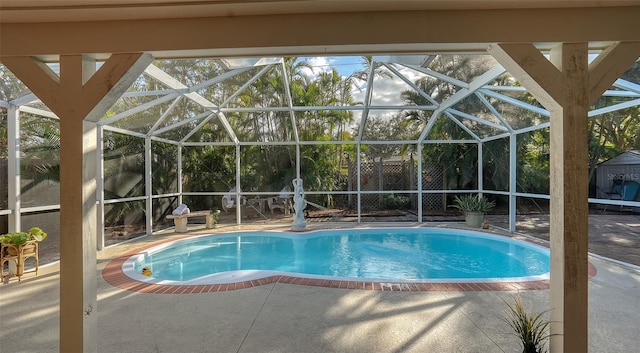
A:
<point x="113" y="274"/>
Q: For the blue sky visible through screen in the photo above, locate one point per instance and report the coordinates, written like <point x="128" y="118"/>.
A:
<point x="345" y="65"/>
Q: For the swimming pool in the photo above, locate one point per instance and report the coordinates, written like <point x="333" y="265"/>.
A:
<point x="380" y="254"/>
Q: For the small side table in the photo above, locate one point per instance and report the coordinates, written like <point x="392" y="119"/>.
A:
<point x="15" y="256"/>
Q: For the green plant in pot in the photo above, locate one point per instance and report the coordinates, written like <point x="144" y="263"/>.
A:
<point x="530" y="327"/>
<point x="23" y="244"/>
<point x="215" y="216"/>
<point x="474" y="208"/>
<point x="21" y="238"/>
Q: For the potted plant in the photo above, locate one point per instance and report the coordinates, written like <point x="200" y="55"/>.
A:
<point x="474" y="208"/>
<point x="531" y="328"/>
<point x="215" y="215"/>
<point x="19" y="245"/>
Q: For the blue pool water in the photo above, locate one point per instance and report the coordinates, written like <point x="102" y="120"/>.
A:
<point x="398" y="254"/>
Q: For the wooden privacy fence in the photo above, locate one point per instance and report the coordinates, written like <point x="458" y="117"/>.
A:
<point x="391" y="174"/>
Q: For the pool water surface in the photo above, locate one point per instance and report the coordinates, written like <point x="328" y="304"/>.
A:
<point x="380" y="255"/>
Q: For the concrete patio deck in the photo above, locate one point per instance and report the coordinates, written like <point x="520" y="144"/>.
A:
<point x="292" y="318"/>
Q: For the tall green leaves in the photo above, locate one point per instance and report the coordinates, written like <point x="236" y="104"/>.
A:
<point x="531" y="328"/>
<point x="459" y="160"/>
<point x="40" y="151"/>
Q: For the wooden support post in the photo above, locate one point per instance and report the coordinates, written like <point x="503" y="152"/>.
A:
<point x="79" y="96"/>
<point x="562" y="87"/>
<point x="569" y="202"/>
<point x="567" y="85"/>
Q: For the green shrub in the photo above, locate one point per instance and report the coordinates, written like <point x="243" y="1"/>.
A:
<point x="396" y="202"/>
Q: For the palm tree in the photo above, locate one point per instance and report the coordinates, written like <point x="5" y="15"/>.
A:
<point x="40" y="158"/>
<point x="458" y="160"/>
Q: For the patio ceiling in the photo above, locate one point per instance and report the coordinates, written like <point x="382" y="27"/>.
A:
<point x="265" y="28"/>
<point x="100" y="10"/>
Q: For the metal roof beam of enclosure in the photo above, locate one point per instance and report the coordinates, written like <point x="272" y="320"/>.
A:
<point x="210" y="144"/>
<point x="181" y="123"/>
<point x="463" y="126"/>
<point x="219" y="78"/>
<point x="628" y="86"/>
<point x="137" y="109"/>
<point x="225" y="122"/>
<point x="435" y="142"/>
<point x="495" y="137"/>
<point x="223" y="118"/>
<point x="533" y="128"/>
<point x="432" y="120"/>
<point x="505" y="88"/>
<point x="159" y="92"/>
<point x="464" y="92"/>
<point x="39" y="112"/>
<point x="198" y="127"/>
<point x="164" y="115"/>
<point x="476" y="119"/>
<point x="287" y="90"/>
<point x="439" y="76"/>
<point x="410" y="83"/>
<point x="165" y="78"/>
<point x="516" y="102"/>
<point x="171" y="82"/>
<point x="324" y="107"/>
<point x="246" y="85"/>
<point x="367" y="101"/>
<point x="160" y="139"/>
<point x="332" y="142"/>
<point x="493" y="110"/>
<point x="186" y="89"/>
<point x="613" y="108"/>
<point x="26" y="99"/>
<point x="124" y="131"/>
<point x="473" y="86"/>
<point x="615" y="93"/>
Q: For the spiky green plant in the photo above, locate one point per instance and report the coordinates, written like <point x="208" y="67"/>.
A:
<point x="473" y="203"/>
<point x="531" y="328"/>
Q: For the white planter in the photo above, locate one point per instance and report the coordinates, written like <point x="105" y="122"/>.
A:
<point x="181" y="224"/>
<point x="474" y="219"/>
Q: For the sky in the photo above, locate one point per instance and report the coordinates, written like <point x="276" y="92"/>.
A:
<point x="345" y="65"/>
<point x="387" y="90"/>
